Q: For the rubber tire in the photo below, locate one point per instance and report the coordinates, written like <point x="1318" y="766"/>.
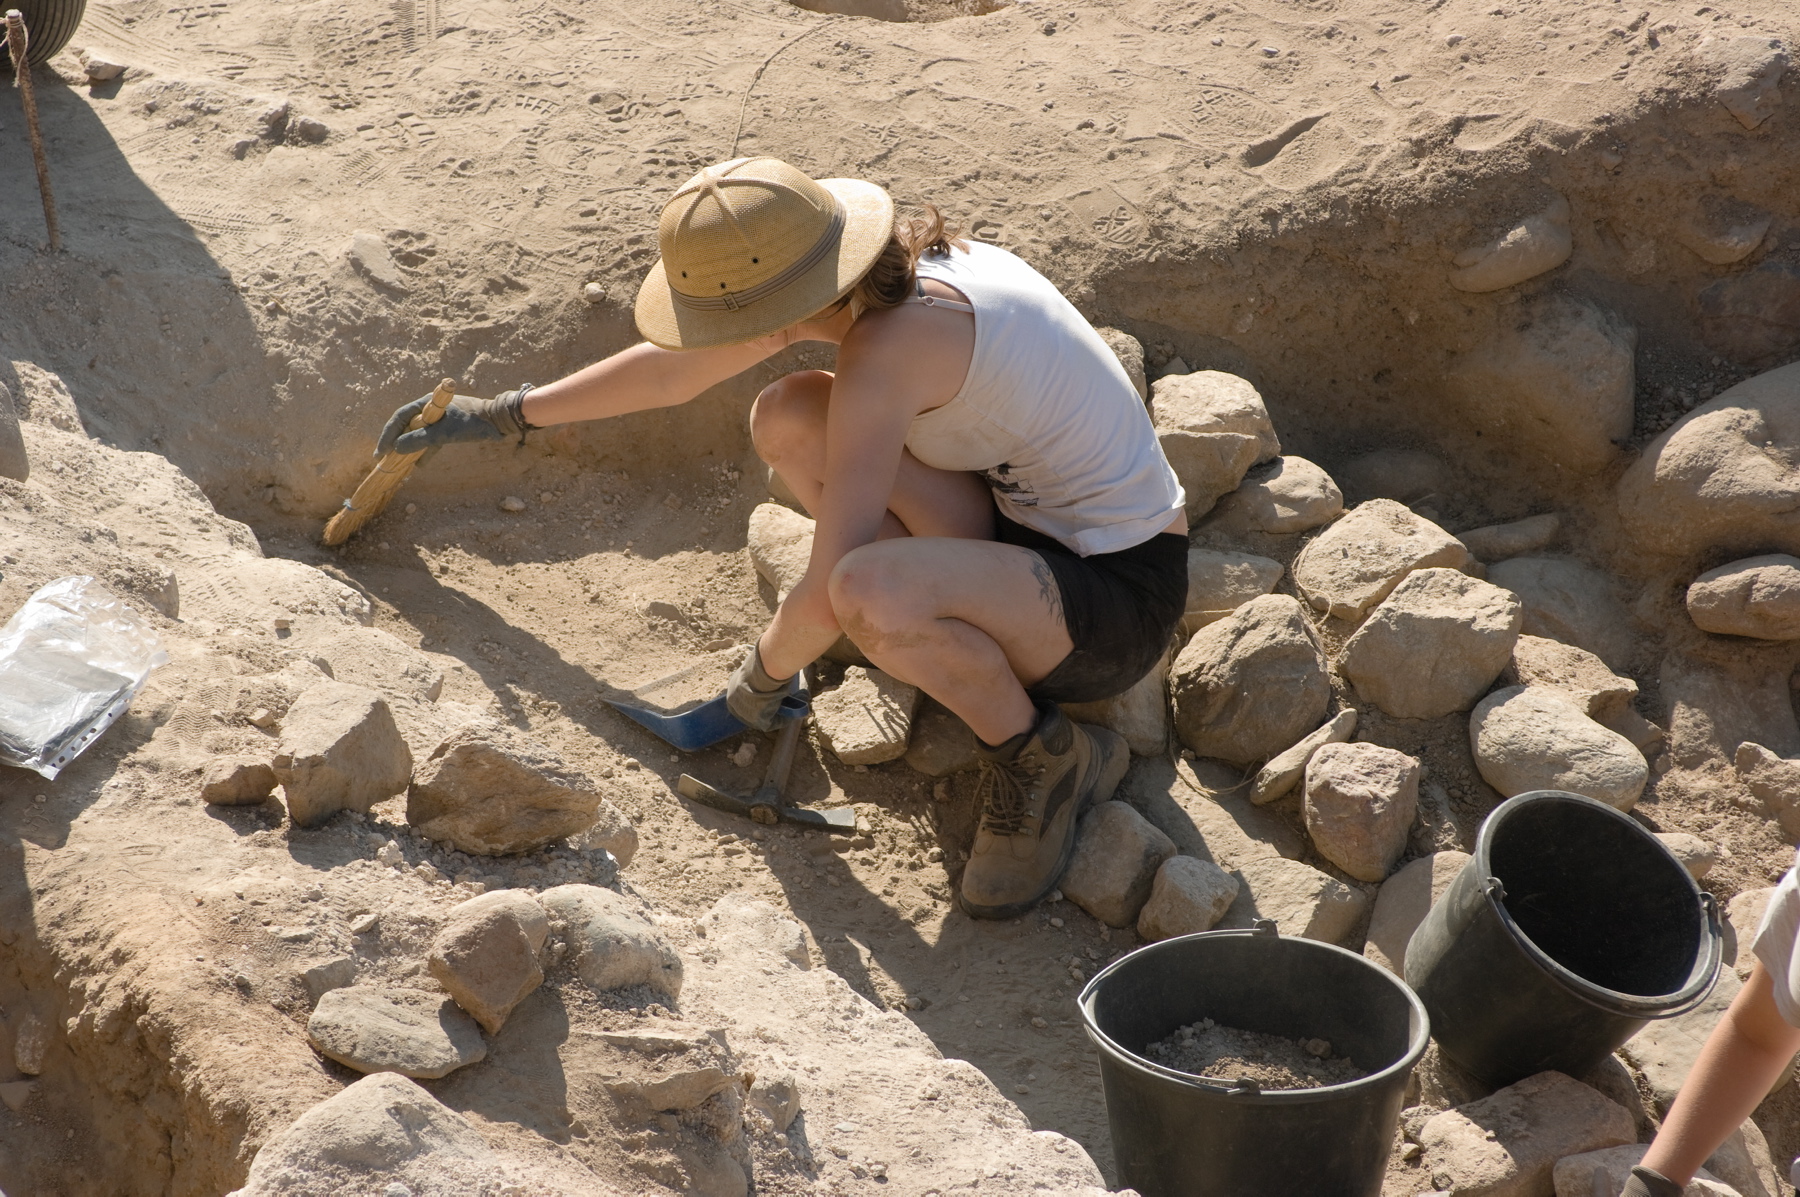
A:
<point x="51" y="23"/>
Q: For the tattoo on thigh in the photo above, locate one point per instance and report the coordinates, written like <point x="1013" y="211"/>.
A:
<point x="1048" y="590"/>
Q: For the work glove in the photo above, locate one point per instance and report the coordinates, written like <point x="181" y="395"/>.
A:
<point x="1647" y="1183"/>
<point x="466" y="419"/>
<point x="755" y="697"/>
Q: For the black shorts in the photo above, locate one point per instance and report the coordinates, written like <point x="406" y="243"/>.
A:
<point x="1121" y="610"/>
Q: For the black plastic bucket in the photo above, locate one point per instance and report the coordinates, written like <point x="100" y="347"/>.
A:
<point x="1570" y="928"/>
<point x="1176" y="1135"/>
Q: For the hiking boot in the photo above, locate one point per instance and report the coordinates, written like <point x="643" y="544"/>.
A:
<point x="1033" y="789"/>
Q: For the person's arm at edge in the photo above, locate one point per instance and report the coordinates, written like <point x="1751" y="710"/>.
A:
<point x="1739" y="1062"/>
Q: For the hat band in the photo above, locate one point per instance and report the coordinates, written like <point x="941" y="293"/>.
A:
<point x="731" y="301"/>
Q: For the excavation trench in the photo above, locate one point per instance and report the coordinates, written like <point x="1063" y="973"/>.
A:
<point x="175" y="1032"/>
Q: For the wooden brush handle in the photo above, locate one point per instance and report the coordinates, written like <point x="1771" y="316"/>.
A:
<point x="434" y="411"/>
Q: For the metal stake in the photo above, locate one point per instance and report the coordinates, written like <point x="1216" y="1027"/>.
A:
<point x="17" y="38"/>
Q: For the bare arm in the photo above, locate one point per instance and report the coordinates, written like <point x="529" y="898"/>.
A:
<point x="1741" y="1059"/>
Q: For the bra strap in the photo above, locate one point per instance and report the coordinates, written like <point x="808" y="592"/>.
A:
<point x="932" y="301"/>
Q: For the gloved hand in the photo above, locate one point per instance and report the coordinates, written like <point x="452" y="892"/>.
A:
<point x="755" y="697"/>
<point x="1647" y="1183"/>
<point x="466" y="419"/>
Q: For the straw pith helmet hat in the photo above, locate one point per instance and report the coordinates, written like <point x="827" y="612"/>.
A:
<point x="753" y="245"/>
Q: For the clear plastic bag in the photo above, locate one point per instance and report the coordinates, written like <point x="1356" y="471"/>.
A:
<point x="71" y="660"/>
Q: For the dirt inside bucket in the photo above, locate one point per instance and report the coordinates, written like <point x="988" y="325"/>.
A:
<point x="1206" y="1048"/>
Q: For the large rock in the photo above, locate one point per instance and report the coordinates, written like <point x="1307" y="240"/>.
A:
<point x="1287" y="767"/>
<point x="340" y="750"/>
<point x="1251" y="684"/>
<point x="1575" y="673"/>
<point x="1220" y="582"/>
<point x="1300" y="900"/>
<point x="1287" y="495"/>
<point x="1608" y="1169"/>
<point x="1201" y="805"/>
<point x="1571" y="602"/>
<point x="1188" y="896"/>
<point x="15" y="463"/>
<point x="1361" y="800"/>
<point x="1402" y="904"/>
<point x="1213" y="427"/>
<point x="237" y="781"/>
<point x="1555" y="381"/>
<point x="1753" y="315"/>
<point x="1507" y="1145"/>
<point x="1540" y="242"/>
<point x="1725" y="477"/>
<point x="1527" y="739"/>
<point x="1745" y="72"/>
<point x="941" y="743"/>
<point x="382" y="1135"/>
<point x="1665" y="1050"/>
<point x="1757" y="597"/>
<point x="1130" y="352"/>
<point x="1356" y="562"/>
<point x="491" y="791"/>
<point x="1718" y="700"/>
<point x="1497" y="542"/>
<point x="1743" y="916"/>
<point x="1434" y="645"/>
<point x="408" y="1031"/>
<point x="868" y="718"/>
<point x="1775" y="781"/>
<point x="486" y="954"/>
<point x="612" y="944"/>
<point x="780" y="545"/>
<point x="1117" y="855"/>
<point x="1140" y="714"/>
<point x="738" y="921"/>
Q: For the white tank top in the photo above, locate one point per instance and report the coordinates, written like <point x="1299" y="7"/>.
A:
<point x="1046" y="414"/>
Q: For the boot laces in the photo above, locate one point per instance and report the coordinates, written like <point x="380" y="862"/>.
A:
<point x="1006" y="794"/>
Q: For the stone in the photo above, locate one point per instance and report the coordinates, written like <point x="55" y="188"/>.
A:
<point x="486" y="954"/>
<point x="1724" y="478"/>
<point x="1575" y="673"/>
<point x="490" y="791"/>
<point x="1507" y="1145"/>
<point x="1538" y="243"/>
<point x="1130" y="352"/>
<point x="1357" y="561"/>
<point x="777" y="1095"/>
<point x="310" y="129"/>
<point x="1568" y="601"/>
<point x="512" y="504"/>
<point x="1524" y="738"/>
<point x="1608" y="1169"/>
<point x="1694" y="854"/>
<point x="1287" y="767"/>
<point x="1664" y="1051"/>
<point x="1300" y="900"/>
<point x="1747" y="74"/>
<point x="1723" y="230"/>
<point x="614" y="832"/>
<point x="273" y="119"/>
<point x="1753" y="316"/>
<point x="1201" y="806"/>
<point x="868" y="718"/>
<point x="1434" y="645"/>
<point x="1287" y="495"/>
<point x="779" y="541"/>
<point x="1117" y="854"/>
<point x="1744" y="1162"/>
<point x="30" y="1044"/>
<point x="1213" y="427"/>
<point x="1775" y="781"/>
<point x="14" y="1094"/>
<point x="941" y="742"/>
<point x="1140" y="714"/>
<point x="322" y="978"/>
<point x="753" y="925"/>
<point x="612" y="944"/>
<point x="1757" y="597"/>
<point x="382" y="1135"/>
<point x="1188" y="896"/>
<point x="101" y="67"/>
<point x="1402" y="903"/>
<point x="1497" y="542"/>
<point x="1557" y="380"/>
<point x="237" y="781"/>
<point x="1361" y="800"/>
<point x="15" y="462"/>
<point x="1403" y="475"/>
<point x="368" y="253"/>
<point x="1220" y="582"/>
<point x="1251" y="684"/>
<point x="681" y="1090"/>
<point x="407" y="1031"/>
<point x="340" y="750"/>
<point x="1743" y="917"/>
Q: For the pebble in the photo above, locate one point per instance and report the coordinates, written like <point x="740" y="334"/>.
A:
<point x="592" y="293"/>
<point x="512" y="503"/>
<point x="310" y="129"/>
<point x="1189" y="895"/>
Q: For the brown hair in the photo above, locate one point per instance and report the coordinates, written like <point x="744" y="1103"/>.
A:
<point x="890" y="280"/>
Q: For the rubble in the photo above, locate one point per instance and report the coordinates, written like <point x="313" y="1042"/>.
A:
<point x="1507" y="1145"/>
<point x="941" y="743"/>
<point x="1285" y="769"/>
<point x="867" y="719"/>
<point x="408" y="1031"/>
<point x="1357" y="561"/>
<point x="1251" y="684"/>
<point x="1360" y="803"/>
<point x="340" y="750"/>
<point x="1757" y="597"/>
<point x="1284" y="496"/>
<point x="486" y="954"/>
<point x="779" y="541"/>
<point x="1402" y="903"/>
<point x="1140" y="714"/>
<point x="1297" y="897"/>
<point x="237" y="781"/>
<point x="1117" y="855"/>
<point x="1574" y="672"/>
<point x="1187" y="896"/>
<point x="611" y="945"/>
<point x="1497" y="542"/>
<point x="1219" y="582"/>
<point x="1433" y="646"/>
<point x="1527" y="739"/>
<point x="491" y="792"/>
<point x="1569" y="601"/>
<point x="1536" y="244"/>
<point x="1213" y="427"/>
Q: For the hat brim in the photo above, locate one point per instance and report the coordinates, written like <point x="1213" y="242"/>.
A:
<point x="868" y="225"/>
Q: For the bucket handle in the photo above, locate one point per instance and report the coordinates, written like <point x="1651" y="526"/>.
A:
<point x="1714" y="955"/>
<point x="1242" y="1087"/>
